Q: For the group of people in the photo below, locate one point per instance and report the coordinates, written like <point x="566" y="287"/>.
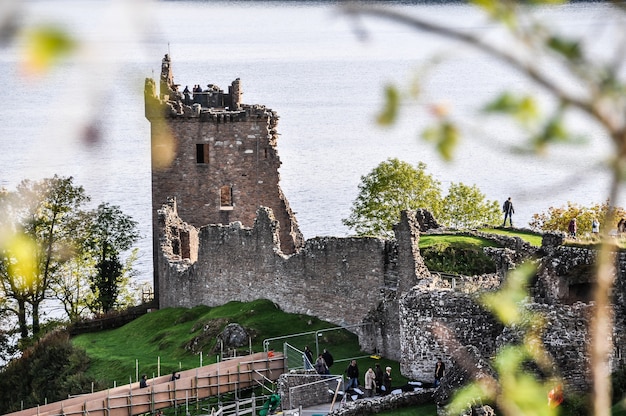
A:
<point x="376" y="381"/>
<point x="323" y="362"/>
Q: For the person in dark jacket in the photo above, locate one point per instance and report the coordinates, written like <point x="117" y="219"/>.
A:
<point x="328" y="357"/>
<point x="508" y="210"/>
<point x="379" y="378"/>
<point x="308" y="358"/>
<point x="387" y="381"/>
<point x="353" y="375"/>
<point x="440" y="370"/>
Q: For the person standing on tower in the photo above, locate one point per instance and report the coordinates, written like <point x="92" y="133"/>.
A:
<point x="508" y="211"/>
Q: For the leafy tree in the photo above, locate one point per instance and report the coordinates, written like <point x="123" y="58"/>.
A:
<point x="73" y="288"/>
<point x="109" y="233"/>
<point x="393" y="186"/>
<point x="41" y="219"/>
<point x="466" y="207"/>
<point x="557" y="219"/>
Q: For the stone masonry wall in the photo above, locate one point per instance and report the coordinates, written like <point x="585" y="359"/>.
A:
<point x="438" y="321"/>
<point x="336" y="279"/>
<point x="303" y="389"/>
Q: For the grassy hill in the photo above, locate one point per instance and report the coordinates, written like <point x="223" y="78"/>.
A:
<point x="171" y="339"/>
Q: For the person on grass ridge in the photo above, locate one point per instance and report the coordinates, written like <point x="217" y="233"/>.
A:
<point x="508" y="210"/>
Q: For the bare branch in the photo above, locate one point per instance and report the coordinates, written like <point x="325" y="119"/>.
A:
<point x="515" y="62"/>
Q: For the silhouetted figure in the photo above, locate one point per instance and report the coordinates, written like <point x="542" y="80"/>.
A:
<point x="508" y="210"/>
<point x="440" y="370"/>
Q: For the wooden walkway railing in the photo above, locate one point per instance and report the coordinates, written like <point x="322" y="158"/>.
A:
<point x="196" y="384"/>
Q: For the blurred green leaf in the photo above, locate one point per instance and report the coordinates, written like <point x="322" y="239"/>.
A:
<point x="446" y="137"/>
<point x="523" y="108"/>
<point x="522" y="393"/>
<point x="503" y="11"/>
<point x="506" y="303"/>
<point x="554" y="131"/>
<point x="45" y="45"/>
<point x="468" y="396"/>
<point x="23" y="251"/>
<point x="569" y="49"/>
<point x="392" y="103"/>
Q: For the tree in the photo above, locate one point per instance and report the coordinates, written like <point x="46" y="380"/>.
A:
<point x="49" y="370"/>
<point x="41" y="219"/>
<point x="73" y="288"/>
<point x="465" y="207"/>
<point x="557" y="219"/>
<point x="109" y="233"/>
<point x="393" y="186"/>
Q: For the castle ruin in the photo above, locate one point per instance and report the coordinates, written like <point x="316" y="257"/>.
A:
<point x="215" y="156"/>
<point x="213" y="247"/>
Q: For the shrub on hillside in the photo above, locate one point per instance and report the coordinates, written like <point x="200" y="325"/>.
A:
<point x="457" y="258"/>
<point x="49" y="371"/>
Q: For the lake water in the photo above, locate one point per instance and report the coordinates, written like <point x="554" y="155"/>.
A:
<point x="324" y="74"/>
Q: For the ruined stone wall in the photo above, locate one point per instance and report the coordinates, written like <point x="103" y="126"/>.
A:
<point x="436" y="322"/>
<point x="339" y="280"/>
<point x="304" y="389"/>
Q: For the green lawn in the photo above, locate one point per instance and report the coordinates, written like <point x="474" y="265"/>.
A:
<point x="159" y="341"/>
<point x="531" y="238"/>
<point x="463" y="239"/>
<point x="427" y="240"/>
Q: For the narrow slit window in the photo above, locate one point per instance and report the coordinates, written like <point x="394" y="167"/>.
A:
<point x="226" y="197"/>
<point x="202" y="153"/>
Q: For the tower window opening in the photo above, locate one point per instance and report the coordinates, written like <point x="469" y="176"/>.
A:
<point x="226" y="197"/>
<point x="202" y="153"/>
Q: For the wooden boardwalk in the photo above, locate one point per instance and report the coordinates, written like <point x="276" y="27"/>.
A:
<point x="196" y="384"/>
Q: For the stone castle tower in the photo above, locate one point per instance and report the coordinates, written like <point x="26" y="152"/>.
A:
<point x="214" y="158"/>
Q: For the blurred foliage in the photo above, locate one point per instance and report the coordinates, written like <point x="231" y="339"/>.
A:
<point x="516" y="391"/>
<point x="45" y="45"/>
